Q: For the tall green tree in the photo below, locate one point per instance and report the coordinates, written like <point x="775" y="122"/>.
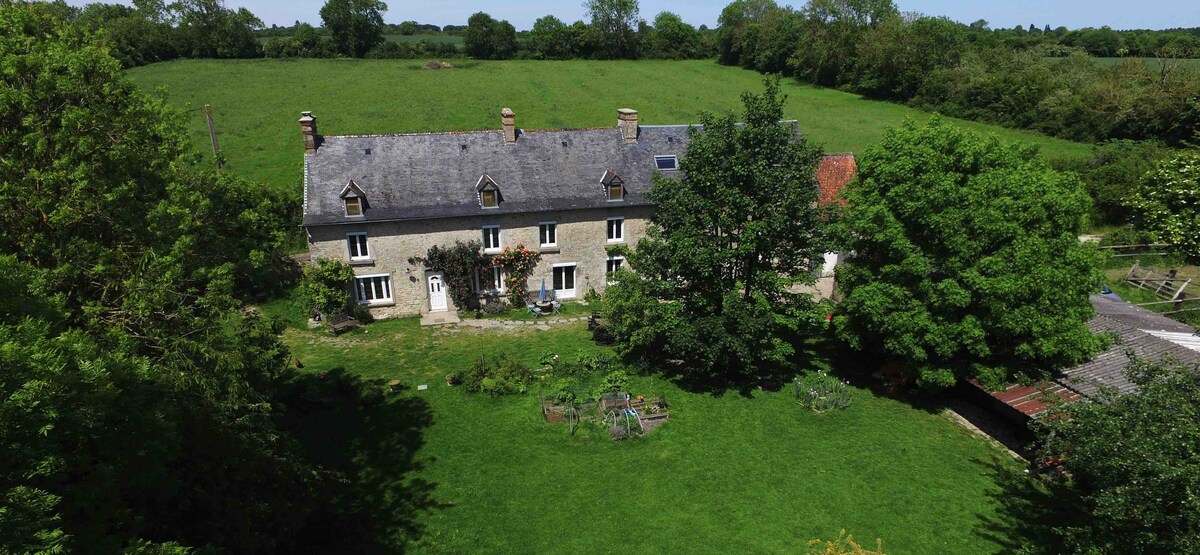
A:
<point x="615" y="21"/>
<point x="550" y="38"/>
<point x="966" y="261"/>
<point x="489" y="39"/>
<point x="135" y="398"/>
<point x="208" y="29"/>
<point x="1132" y="462"/>
<point x="356" y="26"/>
<point x="1164" y="204"/>
<point x="728" y="241"/>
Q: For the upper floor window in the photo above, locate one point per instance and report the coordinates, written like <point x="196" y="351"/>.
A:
<point x="357" y="244"/>
<point x="489" y="199"/>
<point x="666" y="163"/>
<point x="491" y="237"/>
<point x="616" y="230"/>
<point x="354" y="206"/>
<point x="548" y="234"/>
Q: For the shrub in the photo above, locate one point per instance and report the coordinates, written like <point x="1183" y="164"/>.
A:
<point x="517" y="262"/>
<point x="496" y="376"/>
<point x="326" y="286"/>
<point x="615" y="381"/>
<point x="843" y="545"/>
<point x="459" y="264"/>
<point x="822" y="392"/>
<point x="496" y="306"/>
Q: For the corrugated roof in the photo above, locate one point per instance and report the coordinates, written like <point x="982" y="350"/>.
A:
<point x="1137" y="331"/>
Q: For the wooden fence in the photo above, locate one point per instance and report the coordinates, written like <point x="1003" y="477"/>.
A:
<point x="1169" y="286"/>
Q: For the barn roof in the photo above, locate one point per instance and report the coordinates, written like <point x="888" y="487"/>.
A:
<point x="1135" y="331"/>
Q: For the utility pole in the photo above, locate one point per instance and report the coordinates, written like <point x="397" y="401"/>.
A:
<point x="212" y="133"/>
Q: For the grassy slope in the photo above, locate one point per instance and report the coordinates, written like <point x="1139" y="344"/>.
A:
<point x="726" y="474"/>
<point x="256" y="102"/>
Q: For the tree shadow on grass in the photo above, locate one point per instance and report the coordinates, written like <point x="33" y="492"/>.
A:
<point x="808" y="357"/>
<point x="1028" y="511"/>
<point x="366" y="444"/>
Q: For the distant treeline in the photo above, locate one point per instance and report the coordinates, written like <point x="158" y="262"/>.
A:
<point x="1040" y="79"/>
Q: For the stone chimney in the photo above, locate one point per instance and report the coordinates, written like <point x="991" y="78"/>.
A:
<point x="509" y="120"/>
<point x="627" y="122"/>
<point x="308" y="127"/>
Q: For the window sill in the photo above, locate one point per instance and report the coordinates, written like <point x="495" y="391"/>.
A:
<point x="616" y="241"/>
<point x="362" y="261"/>
<point x="492" y="251"/>
<point x="377" y="304"/>
<point x="548" y="249"/>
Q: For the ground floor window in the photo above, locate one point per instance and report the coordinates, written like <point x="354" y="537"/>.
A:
<point x="373" y="289"/>
<point x="564" y="280"/>
<point x="613" y="264"/>
<point x="491" y="279"/>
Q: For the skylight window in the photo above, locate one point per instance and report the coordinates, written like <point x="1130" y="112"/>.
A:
<point x="666" y="163"/>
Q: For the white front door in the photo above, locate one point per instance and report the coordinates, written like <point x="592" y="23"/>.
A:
<point x="437" y="293"/>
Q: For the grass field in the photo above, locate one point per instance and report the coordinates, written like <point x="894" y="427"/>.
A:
<point x="726" y="474"/>
<point x="256" y="102"/>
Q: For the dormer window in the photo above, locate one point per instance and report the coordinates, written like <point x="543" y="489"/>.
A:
<point x="354" y="199"/>
<point x="489" y="192"/>
<point x="614" y="186"/>
<point x="666" y="163"/>
<point x="353" y="206"/>
<point x="489" y="199"/>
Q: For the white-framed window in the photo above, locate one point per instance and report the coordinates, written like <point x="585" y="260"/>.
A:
<point x="564" y="280"/>
<point x="613" y="264"/>
<point x="548" y="234"/>
<point x="616" y="230"/>
<point x="353" y="206"/>
<point x="373" y="289"/>
<point x="356" y="243"/>
<point x="666" y="163"/>
<point x="490" y="279"/>
<point x="491" y="237"/>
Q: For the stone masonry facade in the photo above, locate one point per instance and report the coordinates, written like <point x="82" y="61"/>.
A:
<point x="582" y="239"/>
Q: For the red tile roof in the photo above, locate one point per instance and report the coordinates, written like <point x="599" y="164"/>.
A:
<point x="1031" y="400"/>
<point x="833" y="173"/>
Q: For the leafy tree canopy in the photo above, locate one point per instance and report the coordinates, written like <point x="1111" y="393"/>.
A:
<point x="727" y="242"/>
<point x="355" y="25"/>
<point x="488" y="39"/>
<point x="966" y="259"/>
<point x="1165" y="203"/>
<point x="135" y="402"/>
<point x="1132" y="461"/>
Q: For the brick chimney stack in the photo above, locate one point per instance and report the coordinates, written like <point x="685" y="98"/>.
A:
<point x="308" y="127"/>
<point x="509" y="120"/>
<point x="627" y="122"/>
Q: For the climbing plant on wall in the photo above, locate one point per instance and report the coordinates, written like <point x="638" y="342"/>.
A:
<point x="458" y="264"/>
<point x="518" y="263"/>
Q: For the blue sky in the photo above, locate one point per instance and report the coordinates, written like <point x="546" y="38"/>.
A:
<point x="1119" y="14"/>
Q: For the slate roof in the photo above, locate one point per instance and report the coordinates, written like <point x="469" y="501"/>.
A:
<point x="1136" y="330"/>
<point x="433" y="175"/>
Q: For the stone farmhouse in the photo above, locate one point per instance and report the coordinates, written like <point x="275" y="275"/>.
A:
<point x="376" y="201"/>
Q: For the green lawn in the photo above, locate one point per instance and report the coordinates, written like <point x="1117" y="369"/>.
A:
<point x="256" y="102"/>
<point x="727" y="473"/>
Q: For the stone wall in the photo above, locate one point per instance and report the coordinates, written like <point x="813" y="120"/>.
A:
<point x="582" y="239"/>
